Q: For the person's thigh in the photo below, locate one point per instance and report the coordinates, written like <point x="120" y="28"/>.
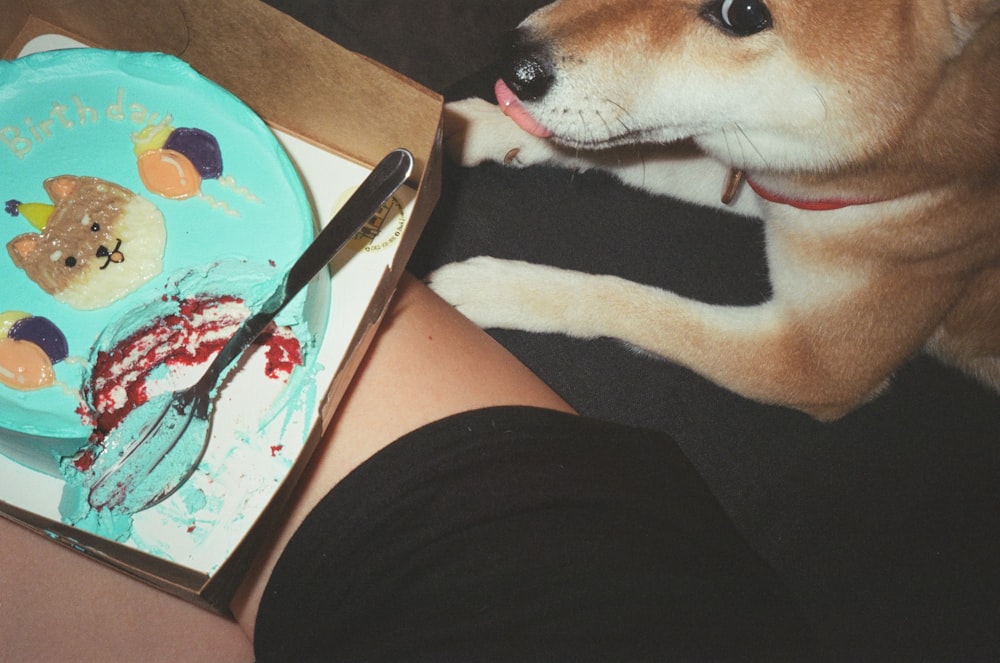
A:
<point x="57" y="605"/>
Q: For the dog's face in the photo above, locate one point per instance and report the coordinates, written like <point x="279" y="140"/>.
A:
<point x="761" y="84"/>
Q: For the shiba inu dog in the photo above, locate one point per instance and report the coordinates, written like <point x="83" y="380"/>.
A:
<point x="866" y="135"/>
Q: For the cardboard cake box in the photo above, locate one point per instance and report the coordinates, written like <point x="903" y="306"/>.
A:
<point x="337" y="114"/>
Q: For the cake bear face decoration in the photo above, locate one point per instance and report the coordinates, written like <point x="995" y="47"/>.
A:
<point x="98" y="242"/>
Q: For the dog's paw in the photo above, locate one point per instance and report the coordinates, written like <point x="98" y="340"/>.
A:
<point x="476" y="131"/>
<point x="485" y="290"/>
<point x="511" y="294"/>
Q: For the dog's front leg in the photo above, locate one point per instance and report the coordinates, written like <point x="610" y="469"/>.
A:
<point x="821" y="358"/>
<point x="477" y="131"/>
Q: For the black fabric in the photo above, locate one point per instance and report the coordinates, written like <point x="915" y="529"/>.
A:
<point x="521" y="534"/>
<point x="435" y="43"/>
<point x="884" y="525"/>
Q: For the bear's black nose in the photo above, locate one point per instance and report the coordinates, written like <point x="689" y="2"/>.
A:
<point x="527" y="67"/>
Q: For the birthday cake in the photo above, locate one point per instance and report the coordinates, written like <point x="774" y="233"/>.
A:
<point x="147" y="212"/>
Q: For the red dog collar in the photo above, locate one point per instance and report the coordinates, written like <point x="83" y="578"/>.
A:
<point x="736" y="177"/>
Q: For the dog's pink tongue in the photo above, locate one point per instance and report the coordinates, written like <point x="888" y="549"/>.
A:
<point x="513" y="109"/>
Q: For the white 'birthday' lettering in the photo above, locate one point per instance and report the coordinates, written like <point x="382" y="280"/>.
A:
<point x="20" y="140"/>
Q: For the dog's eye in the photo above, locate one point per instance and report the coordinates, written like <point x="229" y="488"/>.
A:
<point x="739" y="17"/>
<point x="70" y="262"/>
<point x="95" y="227"/>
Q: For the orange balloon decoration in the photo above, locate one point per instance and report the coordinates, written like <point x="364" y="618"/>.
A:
<point x="24" y="365"/>
<point x="169" y="174"/>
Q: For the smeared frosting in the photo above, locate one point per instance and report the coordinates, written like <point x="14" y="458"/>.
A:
<point x="152" y="351"/>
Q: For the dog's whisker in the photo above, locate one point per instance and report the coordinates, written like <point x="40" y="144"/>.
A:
<point x="621" y="119"/>
<point x="822" y="101"/>
<point x="738" y="152"/>
<point x="642" y="161"/>
<point x="749" y="142"/>
<point x="729" y="147"/>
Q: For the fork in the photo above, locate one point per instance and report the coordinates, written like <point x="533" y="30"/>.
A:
<point x="175" y="425"/>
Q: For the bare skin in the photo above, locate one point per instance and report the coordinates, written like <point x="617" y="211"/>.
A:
<point x="427" y="361"/>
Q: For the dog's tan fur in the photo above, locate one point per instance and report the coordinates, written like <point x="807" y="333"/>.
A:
<point x="896" y="101"/>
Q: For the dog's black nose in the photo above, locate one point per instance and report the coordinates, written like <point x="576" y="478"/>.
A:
<point x="527" y="67"/>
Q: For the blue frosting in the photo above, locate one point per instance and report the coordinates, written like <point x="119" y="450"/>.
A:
<point x="75" y="113"/>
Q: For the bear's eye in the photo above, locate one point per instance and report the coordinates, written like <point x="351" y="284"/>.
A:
<point x="70" y="262"/>
<point x="740" y="18"/>
<point x="87" y="221"/>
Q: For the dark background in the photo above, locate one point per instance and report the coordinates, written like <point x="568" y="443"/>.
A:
<point x="885" y="524"/>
